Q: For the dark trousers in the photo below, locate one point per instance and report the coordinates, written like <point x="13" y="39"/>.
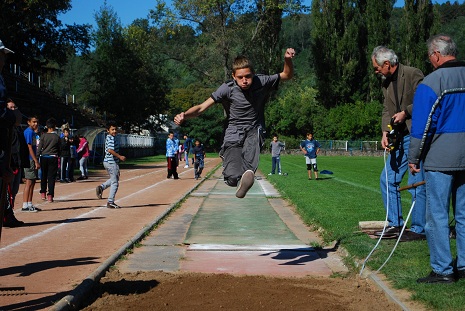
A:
<point x="49" y="166"/>
<point x="172" y="167"/>
<point x="240" y="152"/>
<point x="64" y="168"/>
<point x="198" y="167"/>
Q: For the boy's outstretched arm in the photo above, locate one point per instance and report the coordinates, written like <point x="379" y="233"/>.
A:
<point x="288" y="71"/>
<point x="193" y="111"/>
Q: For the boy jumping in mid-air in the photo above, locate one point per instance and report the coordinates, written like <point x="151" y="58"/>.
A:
<point x="243" y="100"/>
<point x="110" y="162"/>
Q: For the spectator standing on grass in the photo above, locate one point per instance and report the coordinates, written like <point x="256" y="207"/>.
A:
<point x="111" y="164"/>
<point x="83" y="153"/>
<point x="438" y="133"/>
<point x="310" y="147"/>
<point x="65" y="151"/>
<point x="243" y="100"/>
<point x="399" y="83"/>
<point x="30" y="173"/>
<point x="49" y="152"/>
<point x="276" y="147"/>
<point x="171" y="150"/>
<point x="199" y="158"/>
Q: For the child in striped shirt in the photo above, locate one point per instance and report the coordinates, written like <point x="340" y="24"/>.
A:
<point x="110" y="162"/>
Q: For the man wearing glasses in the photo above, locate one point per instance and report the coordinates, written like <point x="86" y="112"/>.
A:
<point x="398" y="84"/>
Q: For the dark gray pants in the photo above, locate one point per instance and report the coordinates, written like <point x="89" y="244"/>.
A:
<point x="240" y="152"/>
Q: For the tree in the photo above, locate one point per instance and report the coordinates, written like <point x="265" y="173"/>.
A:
<point x="377" y="17"/>
<point x="416" y="26"/>
<point x="294" y="112"/>
<point x="125" y="70"/>
<point x="33" y="31"/>
<point x="339" y="50"/>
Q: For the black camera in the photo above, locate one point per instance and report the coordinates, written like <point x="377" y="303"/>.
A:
<point x="393" y="135"/>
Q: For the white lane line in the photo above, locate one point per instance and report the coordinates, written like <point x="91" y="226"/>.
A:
<point x="70" y="220"/>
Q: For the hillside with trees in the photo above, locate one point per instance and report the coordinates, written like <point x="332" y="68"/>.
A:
<point x="143" y="74"/>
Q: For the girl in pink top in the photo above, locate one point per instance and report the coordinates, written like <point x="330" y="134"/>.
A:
<point x="83" y="154"/>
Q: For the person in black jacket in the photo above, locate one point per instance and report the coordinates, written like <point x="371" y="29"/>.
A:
<point x="65" y="162"/>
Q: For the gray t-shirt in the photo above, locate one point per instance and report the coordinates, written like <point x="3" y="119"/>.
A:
<point x="276" y="148"/>
<point x="246" y="107"/>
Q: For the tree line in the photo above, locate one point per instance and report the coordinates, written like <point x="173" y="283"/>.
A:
<point x="144" y="73"/>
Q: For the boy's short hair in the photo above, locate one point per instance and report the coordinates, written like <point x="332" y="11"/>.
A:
<point x="32" y="117"/>
<point x="66" y="129"/>
<point x="241" y="62"/>
<point x="111" y="123"/>
<point x="51" y="123"/>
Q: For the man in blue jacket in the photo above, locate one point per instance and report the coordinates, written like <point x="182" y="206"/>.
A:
<point x="438" y="133"/>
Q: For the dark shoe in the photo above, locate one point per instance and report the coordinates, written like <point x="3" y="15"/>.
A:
<point x="12" y="222"/>
<point x="81" y="178"/>
<point x="433" y="277"/>
<point x="99" y="191"/>
<point x="112" y="205"/>
<point x="62" y="181"/>
<point x="30" y="209"/>
<point x="408" y="236"/>
<point x="389" y="232"/>
<point x="460" y="274"/>
<point x="245" y="183"/>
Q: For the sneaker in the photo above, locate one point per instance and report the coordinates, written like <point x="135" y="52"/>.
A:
<point x="43" y="196"/>
<point x="30" y="209"/>
<point x="99" y="191"/>
<point x="434" y="278"/>
<point x="81" y="178"/>
<point x="270" y="174"/>
<point x="245" y="183"/>
<point x="389" y="232"/>
<point x="12" y="222"/>
<point x="50" y="198"/>
<point x="186" y="166"/>
<point x="112" y="205"/>
<point x="280" y="173"/>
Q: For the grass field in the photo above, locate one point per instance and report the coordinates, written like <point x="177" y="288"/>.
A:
<point x="337" y="203"/>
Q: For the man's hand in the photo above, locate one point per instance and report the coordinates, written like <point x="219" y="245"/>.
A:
<point x="179" y="118"/>
<point x="290" y="53"/>
<point x="413" y="168"/>
<point x="400" y="117"/>
<point x="385" y="141"/>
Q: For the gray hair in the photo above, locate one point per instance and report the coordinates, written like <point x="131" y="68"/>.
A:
<point x="443" y="44"/>
<point x="382" y="54"/>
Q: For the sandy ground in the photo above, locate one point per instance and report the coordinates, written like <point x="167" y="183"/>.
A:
<point x="188" y="291"/>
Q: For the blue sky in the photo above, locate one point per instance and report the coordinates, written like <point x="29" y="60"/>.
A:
<point x="83" y="11"/>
